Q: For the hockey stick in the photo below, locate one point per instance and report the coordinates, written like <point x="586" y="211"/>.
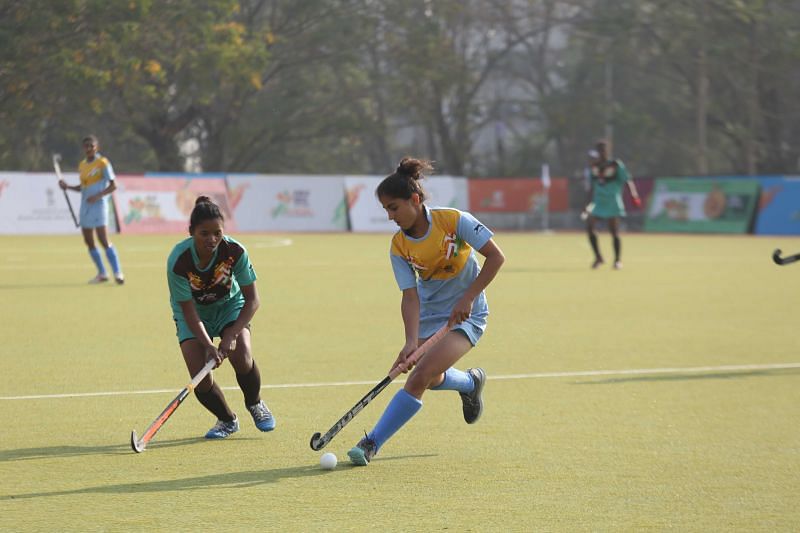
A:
<point x="319" y="441"/>
<point x="138" y="445"/>
<point x="776" y="256"/>
<point x="57" y="166"/>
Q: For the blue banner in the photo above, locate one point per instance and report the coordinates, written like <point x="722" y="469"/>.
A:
<point x="779" y="206"/>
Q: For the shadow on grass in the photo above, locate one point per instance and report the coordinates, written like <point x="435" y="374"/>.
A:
<point x="693" y="377"/>
<point x="246" y="479"/>
<point x="49" y="452"/>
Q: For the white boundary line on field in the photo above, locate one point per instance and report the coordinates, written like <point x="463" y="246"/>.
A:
<point x="275" y="243"/>
<point x="538" y="375"/>
<point x="645" y="371"/>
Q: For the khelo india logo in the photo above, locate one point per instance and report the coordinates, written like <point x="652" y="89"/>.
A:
<point x="293" y="204"/>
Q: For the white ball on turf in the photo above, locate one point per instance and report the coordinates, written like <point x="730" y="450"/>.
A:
<point x="328" y="461"/>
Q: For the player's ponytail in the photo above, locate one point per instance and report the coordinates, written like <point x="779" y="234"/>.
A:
<point x="405" y="180"/>
<point x="204" y="209"/>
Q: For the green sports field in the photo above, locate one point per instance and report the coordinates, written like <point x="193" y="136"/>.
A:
<point x="665" y="396"/>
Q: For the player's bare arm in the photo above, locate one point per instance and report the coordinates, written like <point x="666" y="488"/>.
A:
<point x="491" y="266"/>
<point x="108" y="190"/>
<point x="409" y="310"/>
<point x="196" y="326"/>
<point x="251" y="305"/>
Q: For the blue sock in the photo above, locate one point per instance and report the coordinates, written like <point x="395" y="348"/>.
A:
<point x="399" y="411"/>
<point x="98" y="261"/>
<point x="113" y="260"/>
<point x="455" y="379"/>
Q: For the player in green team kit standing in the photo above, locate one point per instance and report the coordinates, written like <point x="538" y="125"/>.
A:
<point x="436" y="269"/>
<point x="97" y="183"/>
<point x="607" y="179"/>
<point x="213" y="293"/>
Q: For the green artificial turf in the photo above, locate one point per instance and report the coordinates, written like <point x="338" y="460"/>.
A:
<point x="629" y="400"/>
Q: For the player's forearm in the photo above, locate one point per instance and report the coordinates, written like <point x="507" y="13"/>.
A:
<point x="409" y="310"/>
<point x="199" y="330"/>
<point x="194" y="323"/>
<point x="491" y="266"/>
<point x="108" y="190"/>
<point x="245" y="316"/>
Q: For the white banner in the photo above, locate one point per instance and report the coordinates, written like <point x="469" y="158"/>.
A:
<point x="367" y="214"/>
<point x="446" y="191"/>
<point x="32" y="203"/>
<point x="288" y="203"/>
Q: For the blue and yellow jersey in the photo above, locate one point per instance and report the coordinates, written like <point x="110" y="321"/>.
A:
<point x="95" y="176"/>
<point x="608" y="181"/>
<point x="213" y="287"/>
<point x="442" y="264"/>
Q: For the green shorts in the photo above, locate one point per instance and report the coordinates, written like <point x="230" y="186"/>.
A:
<point x="608" y="209"/>
<point x="223" y="318"/>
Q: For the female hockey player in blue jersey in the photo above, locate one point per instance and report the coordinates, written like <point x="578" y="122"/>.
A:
<point x="97" y="183"/>
<point x="436" y="268"/>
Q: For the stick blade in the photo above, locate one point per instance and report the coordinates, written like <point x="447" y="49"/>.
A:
<point x="776" y="256"/>
<point x="137" y="446"/>
<point x="316" y="442"/>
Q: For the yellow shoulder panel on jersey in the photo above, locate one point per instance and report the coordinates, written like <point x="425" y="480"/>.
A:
<point x="92" y="172"/>
<point x="442" y="254"/>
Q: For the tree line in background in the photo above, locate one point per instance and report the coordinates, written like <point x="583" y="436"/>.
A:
<point x="483" y="87"/>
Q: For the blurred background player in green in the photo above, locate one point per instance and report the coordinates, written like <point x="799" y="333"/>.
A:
<point x="97" y="183"/>
<point x="213" y="293"/>
<point x="436" y="267"/>
<point x="607" y="180"/>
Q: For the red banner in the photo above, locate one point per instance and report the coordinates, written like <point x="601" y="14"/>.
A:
<point x="516" y="195"/>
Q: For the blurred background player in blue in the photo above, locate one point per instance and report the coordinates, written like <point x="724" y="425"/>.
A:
<point x="97" y="183"/>
<point x="436" y="268"/>
<point x="212" y="287"/>
<point x="607" y="179"/>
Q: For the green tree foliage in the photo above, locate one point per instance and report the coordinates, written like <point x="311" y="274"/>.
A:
<point x="491" y="87"/>
<point x="161" y="66"/>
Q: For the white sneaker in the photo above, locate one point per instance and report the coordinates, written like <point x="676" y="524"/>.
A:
<point x="100" y="278"/>
<point x="119" y="278"/>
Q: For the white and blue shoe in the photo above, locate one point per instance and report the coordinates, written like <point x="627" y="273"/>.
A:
<point x="262" y="416"/>
<point x="363" y="452"/>
<point x="223" y="430"/>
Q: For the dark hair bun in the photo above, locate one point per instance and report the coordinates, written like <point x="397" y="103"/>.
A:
<point x="413" y="168"/>
<point x="203" y="200"/>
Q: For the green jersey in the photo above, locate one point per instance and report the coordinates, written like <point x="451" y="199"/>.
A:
<point x="214" y="288"/>
<point x="608" y="181"/>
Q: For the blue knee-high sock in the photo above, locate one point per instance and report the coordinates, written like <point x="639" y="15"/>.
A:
<point x="399" y="411"/>
<point x="457" y="380"/>
<point x="98" y="261"/>
<point x="113" y="259"/>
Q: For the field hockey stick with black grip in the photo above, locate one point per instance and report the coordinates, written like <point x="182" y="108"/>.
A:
<point x="776" y="256"/>
<point x="319" y="441"/>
